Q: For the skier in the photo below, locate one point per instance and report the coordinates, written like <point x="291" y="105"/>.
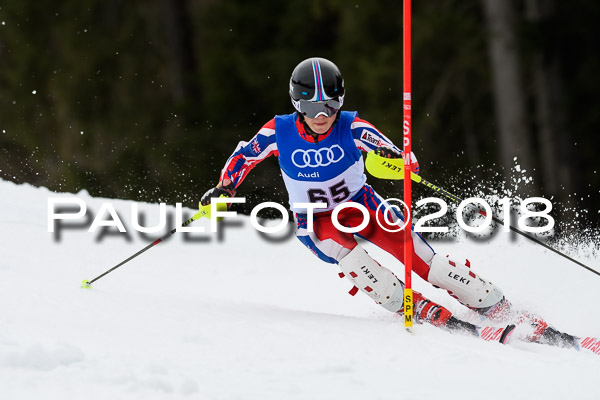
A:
<point x="319" y="148"/>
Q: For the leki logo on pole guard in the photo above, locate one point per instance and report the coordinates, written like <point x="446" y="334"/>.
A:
<point x="317" y="158"/>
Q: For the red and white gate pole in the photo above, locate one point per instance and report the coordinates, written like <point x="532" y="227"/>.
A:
<point x="408" y="244"/>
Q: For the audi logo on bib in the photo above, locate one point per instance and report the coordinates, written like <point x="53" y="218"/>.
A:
<point x="317" y="158"/>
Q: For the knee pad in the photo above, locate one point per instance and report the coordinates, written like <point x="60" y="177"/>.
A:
<point x="470" y="289"/>
<point x="377" y="282"/>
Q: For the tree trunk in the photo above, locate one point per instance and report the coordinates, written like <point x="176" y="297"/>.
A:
<point x="181" y="55"/>
<point x="509" y="93"/>
<point x="550" y="109"/>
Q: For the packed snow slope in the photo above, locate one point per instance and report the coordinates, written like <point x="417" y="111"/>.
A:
<point x="234" y="316"/>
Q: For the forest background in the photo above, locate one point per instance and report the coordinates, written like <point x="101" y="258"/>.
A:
<point x="145" y="100"/>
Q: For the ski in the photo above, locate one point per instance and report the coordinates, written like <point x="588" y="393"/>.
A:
<point x="553" y="337"/>
<point x="436" y="315"/>
<point x="494" y="334"/>
<point x="487" y="333"/>
<point x="534" y="329"/>
<point x="589" y="344"/>
<point x="549" y="336"/>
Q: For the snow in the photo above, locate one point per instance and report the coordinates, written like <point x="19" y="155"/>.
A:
<point x="234" y="316"/>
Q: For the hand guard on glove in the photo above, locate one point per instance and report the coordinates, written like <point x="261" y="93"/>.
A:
<point x="204" y="208"/>
<point x="392" y="153"/>
<point x="388" y="152"/>
<point x="216" y="192"/>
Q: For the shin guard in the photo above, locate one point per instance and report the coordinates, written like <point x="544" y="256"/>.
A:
<point x="470" y="289"/>
<point x="377" y="282"/>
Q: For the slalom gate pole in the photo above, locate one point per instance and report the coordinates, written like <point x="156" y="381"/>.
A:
<point x="385" y="168"/>
<point x="408" y="244"/>
<point x="88" y="284"/>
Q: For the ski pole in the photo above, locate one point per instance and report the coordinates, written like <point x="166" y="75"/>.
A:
<point x="204" y="212"/>
<point x="88" y="284"/>
<point x="385" y="168"/>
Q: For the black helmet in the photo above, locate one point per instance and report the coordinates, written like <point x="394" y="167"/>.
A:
<point x="317" y="87"/>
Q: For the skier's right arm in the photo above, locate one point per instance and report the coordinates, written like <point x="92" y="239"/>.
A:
<point x="245" y="157"/>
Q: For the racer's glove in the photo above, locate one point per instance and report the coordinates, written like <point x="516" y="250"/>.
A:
<point x="391" y="153"/>
<point x="388" y="152"/>
<point x="204" y="207"/>
<point x="216" y="192"/>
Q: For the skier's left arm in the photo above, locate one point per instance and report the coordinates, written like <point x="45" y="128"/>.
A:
<point x="368" y="138"/>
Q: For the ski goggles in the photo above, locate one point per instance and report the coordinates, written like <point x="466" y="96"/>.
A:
<point x="312" y="109"/>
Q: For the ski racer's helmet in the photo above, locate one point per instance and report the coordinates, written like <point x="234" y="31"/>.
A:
<point x="317" y="87"/>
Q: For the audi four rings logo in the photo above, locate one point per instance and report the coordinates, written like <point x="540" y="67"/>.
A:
<point x="317" y="158"/>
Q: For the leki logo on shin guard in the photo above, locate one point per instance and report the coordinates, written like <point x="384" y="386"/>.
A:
<point x="459" y="278"/>
<point x="367" y="272"/>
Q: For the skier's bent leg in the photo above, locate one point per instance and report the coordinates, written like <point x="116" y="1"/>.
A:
<point x="470" y="289"/>
<point x="387" y="290"/>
